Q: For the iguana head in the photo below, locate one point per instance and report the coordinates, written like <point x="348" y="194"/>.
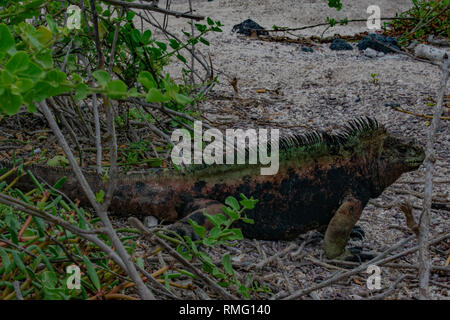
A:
<point x="398" y="155"/>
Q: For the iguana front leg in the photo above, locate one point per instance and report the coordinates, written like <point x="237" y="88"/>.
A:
<point x="194" y="211"/>
<point x="340" y="227"/>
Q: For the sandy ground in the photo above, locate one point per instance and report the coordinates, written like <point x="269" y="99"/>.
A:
<point x="288" y="13"/>
<point x="322" y="90"/>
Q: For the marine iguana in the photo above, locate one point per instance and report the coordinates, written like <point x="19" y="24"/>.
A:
<point x="324" y="182"/>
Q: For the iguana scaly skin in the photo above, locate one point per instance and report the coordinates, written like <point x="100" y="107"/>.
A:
<point x="324" y="182"/>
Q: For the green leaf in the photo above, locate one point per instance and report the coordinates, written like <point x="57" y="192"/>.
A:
<point x="174" y="44"/>
<point x="187" y="273"/>
<point x="45" y="59"/>
<point x="204" y="41"/>
<point x="335" y="4"/>
<point x="155" y="95"/>
<point x="31" y="107"/>
<point x="33" y="72"/>
<point x="116" y="89"/>
<point x="130" y="15"/>
<point x="136" y="36"/>
<point x="6" y="78"/>
<point x="19" y="263"/>
<point x="6" y="38"/>
<point x="58" y="161"/>
<point x="183" y="253"/>
<point x="210" y="21"/>
<point x="92" y="273"/>
<point x="182" y="99"/>
<point x="23" y="85"/>
<point x="51" y="24"/>
<point x="44" y="89"/>
<point x="102" y="77"/>
<point x="248" y="220"/>
<point x="248" y="203"/>
<point x="18" y="62"/>
<point x="81" y="91"/>
<point x="191" y="244"/>
<point x="43" y="35"/>
<point x="231" y="213"/>
<point x="226" y="261"/>
<point x="244" y="291"/>
<point x="140" y="262"/>
<point x="234" y="234"/>
<point x="133" y="92"/>
<point x="232" y="202"/>
<point x="147" y="80"/>
<point x="181" y="58"/>
<point x="6" y="262"/>
<point x="216" y="222"/>
<point x="100" y="196"/>
<point x="55" y="77"/>
<point x="198" y="229"/>
<point x="200" y="27"/>
<point x="146" y="37"/>
<point x="162" y="45"/>
<point x="214" y="233"/>
<point x="36" y="183"/>
<point x="9" y="102"/>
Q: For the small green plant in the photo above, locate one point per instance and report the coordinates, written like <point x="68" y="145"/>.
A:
<point x="426" y="17"/>
<point x="374" y="79"/>
<point x="221" y="233"/>
<point x="335" y="4"/>
<point x="35" y="254"/>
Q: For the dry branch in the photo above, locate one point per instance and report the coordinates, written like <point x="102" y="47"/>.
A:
<point x="425" y="218"/>
<point x="151" y="7"/>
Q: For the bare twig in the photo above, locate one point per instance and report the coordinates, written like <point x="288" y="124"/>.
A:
<point x="281" y="29"/>
<point x="390" y="290"/>
<point x="17" y="291"/>
<point x="151" y="7"/>
<point x="281" y="253"/>
<point x="425" y="218"/>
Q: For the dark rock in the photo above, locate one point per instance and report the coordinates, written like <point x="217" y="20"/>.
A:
<point x="339" y="44"/>
<point x="307" y="49"/>
<point x="392" y="104"/>
<point x="373" y="41"/>
<point x="247" y="26"/>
